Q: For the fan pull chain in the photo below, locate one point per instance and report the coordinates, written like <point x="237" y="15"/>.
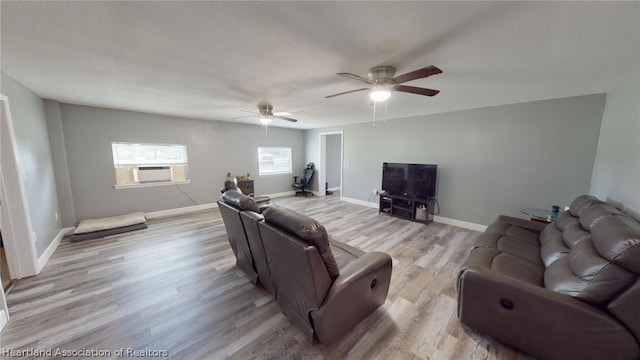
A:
<point x="385" y="111"/>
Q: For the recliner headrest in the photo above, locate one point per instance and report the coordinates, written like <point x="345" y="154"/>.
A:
<point x="617" y="239"/>
<point x="582" y="202"/>
<point x="240" y="200"/>
<point x="306" y="229"/>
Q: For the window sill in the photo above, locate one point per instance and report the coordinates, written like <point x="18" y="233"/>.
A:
<point x="151" y="184"/>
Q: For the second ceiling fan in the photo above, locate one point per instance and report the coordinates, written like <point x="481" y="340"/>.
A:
<point x="382" y="82"/>
<point x="266" y="114"/>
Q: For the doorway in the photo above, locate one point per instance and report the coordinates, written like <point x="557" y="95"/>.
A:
<point x="331" y="158"/>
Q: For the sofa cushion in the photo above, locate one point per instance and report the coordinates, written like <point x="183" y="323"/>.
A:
<point x="306" y="229"/>
<point x="522" y="248"/>
<point x="240" y="200"/>
<point x="505" y="264"/>
<point x="565" y="219"/>
<point x="506" y="224"/>
<point x="585" y="275"/>
<point x="552" y="246"/>
<point x="573" y="234"/>
<point x="579" y="204"/>
<point x="595" y="213"/>
<point x="617" y="239"/>
<point x="344" y="254"/>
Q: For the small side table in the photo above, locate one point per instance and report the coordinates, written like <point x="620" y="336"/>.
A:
<point x="541" y="215"/>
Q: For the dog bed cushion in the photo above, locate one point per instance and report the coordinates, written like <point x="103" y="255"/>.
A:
<point x="92" y="228"/>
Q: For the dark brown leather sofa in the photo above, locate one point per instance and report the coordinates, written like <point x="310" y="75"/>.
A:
<point x="566" y="290"/>
<point x="325" y="287"/>
<point x="231" y="204"/>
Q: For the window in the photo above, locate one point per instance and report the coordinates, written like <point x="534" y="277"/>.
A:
<point x="274" y="160"/>
<point x="137" y="164"/>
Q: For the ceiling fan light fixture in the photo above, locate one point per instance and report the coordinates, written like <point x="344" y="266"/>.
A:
<point x="265" y="120"/>
<point x="379" y="93"/>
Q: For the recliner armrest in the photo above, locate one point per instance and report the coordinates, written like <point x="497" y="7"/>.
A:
<point x="262" y="199"/>
<point x="360" y="288"/>
<point x="539" y="321"/>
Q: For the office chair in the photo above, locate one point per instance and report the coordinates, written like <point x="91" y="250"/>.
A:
<point x="305" y="181"/>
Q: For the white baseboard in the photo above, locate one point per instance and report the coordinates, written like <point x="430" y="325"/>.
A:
<point x="46" y="255"/>
<point x="438" y="219"/>
<point x="212" y="205"/>
<point x="459" y="223"/>
<point x="282" y="194"/>
<point x="373" y="205"/>
<point x="180" y="211"/>
<point x="337" y="188"/>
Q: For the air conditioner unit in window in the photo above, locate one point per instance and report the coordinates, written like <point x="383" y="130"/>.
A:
<point x="154" y="173"/>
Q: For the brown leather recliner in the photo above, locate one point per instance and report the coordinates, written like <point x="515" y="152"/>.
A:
<point x="567" y="290"/>
<point x="325" y="287"/>
<point x="231" y="204"/>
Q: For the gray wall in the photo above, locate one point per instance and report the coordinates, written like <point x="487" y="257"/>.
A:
<point x="333" y="160"/>
<point x="34" y="161"/>
<point x="491" y="161"/>
<point x="616" y="173"/>
<point x="59" y="157"/>
<point x="214" y="148"/>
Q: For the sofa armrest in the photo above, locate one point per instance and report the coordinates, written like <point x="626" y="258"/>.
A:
<point x="521" y="223"/>
<point x="262" y="199"/>
<point x="539" y="321"/>
<point x="360" y="289"/>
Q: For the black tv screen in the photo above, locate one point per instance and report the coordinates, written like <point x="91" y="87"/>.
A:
<point x="417" y="180"/>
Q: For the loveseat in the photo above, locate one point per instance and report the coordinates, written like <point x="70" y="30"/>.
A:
<point x="566" y="290"/>
<point x="323" y="286"/>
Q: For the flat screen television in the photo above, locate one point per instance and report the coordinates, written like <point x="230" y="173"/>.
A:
<point x="416" y="180"/>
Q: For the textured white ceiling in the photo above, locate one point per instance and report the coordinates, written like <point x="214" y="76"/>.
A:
<point x="209" y="60"/>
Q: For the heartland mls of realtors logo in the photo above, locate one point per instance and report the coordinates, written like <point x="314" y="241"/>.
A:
<point x="89" y="353"/>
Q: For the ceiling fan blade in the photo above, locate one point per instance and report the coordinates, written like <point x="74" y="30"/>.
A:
<point x="245" y="117"/>
<point x="416" y="90"/>
<point x="253" y="112"/>
<point x="417" y="74"/>
<point x="284" y="118"/>
<point x="356" y="77"/>
<point x="346" y="92"/>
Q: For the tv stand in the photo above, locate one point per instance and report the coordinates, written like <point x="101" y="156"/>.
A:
<point x="407" y="207"/>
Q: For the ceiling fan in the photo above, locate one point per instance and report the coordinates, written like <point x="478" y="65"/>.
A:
<point x="266" y="114"/>
<point x="383" y="83"/>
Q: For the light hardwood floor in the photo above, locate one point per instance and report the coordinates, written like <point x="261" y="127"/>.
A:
<point x="174" y="287"/>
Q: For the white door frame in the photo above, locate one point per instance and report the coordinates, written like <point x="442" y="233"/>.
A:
<point x="17" y="233"/>
<point x="320" y="167"/>
<point x="4" y="310"/>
